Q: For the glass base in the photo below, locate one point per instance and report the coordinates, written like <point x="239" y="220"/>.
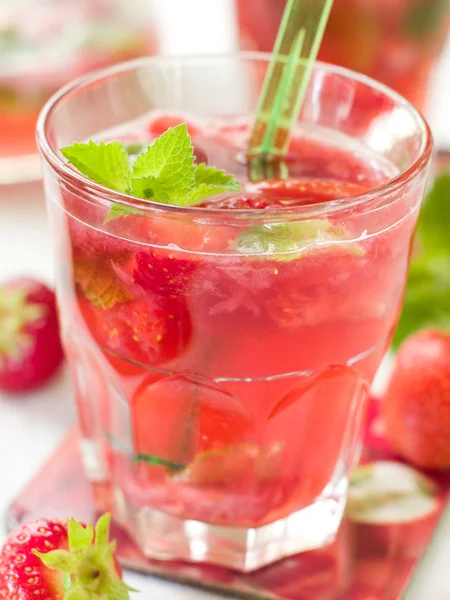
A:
<point x="165" y="537"/>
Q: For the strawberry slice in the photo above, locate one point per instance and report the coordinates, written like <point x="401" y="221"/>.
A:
<point x="148" y="329"/>
<point x="390" y="492"/>
<point x="138" y="330"/>
<point x="99" y="283"/>
<point x="277" y="193"/>
<point x="175" y="418"/>
<point x="159" y="125"/>
<point x="30" y="346"/>
<point x="53" y="560"/>
<point x="238" y="202"/>
<point x="231" y="465"/>
<point x="304" y="191"/>
<point x="164" y="275"/>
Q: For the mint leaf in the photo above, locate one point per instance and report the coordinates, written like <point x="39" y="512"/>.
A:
<point x="121" y="210"/>
<point x="427" y="297"/>
<point x="155" y="460"/>
<point x="135" y="148"/>
<point x="149" y="188"/>
<point x="201" y="192"/>
<point x="211" y="176"/>
<point x="280" y="238"/>
<point x="143" y="187"/>
<point x="170" y="161"/>
<point x="285" y="241"/>
<point x="166" y="172"/>
<point x="163" y="172"/>
<point x="106" y="164"/>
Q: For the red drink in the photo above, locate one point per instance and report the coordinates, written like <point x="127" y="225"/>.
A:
<point x="394" y="41"/>
<point x="222" y="354"/>
<point x="252" y="345"/>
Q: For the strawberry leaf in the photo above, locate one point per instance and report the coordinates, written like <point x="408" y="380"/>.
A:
<point x="79" y="537"/>
<point x="77" y="593"/>
<point x="118" y="591"/>
<point x="89" y="569"/>
<point x="16" y="312"/>
<point x="102" y="531"/>
<point x="62" y="560"/>
<point x="67" y="582"/>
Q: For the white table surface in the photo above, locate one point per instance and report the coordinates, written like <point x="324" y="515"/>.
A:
<point x="31" y="427"/>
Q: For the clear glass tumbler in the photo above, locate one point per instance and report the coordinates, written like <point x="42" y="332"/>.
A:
<point x="221" y="377"/>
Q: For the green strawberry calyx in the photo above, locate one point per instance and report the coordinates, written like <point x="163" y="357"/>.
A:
<point x="89" y="565"/>
<point x="16" y="312"/>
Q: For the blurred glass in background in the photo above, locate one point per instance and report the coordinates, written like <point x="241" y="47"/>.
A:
<point x="46" y="43"/>
<point x="397" y="42"/>
<point x="43" y="45"/>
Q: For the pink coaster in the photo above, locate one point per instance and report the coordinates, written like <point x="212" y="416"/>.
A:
<point x="366" y="562"/>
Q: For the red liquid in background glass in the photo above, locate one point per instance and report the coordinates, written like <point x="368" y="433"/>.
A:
<point x="239" y="372"/>
<point x="394" y="41"/>
<point x="52" y="44"/>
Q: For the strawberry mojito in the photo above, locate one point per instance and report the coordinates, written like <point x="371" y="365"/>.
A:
<point x="223" y="321"/>
<point x="395" y="41"/>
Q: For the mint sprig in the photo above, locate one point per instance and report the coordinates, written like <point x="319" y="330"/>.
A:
<point x="163" y="172"/>
<point x="106" y="164"/>
<point x="427" y="298"/>
<point x="169" y="163"/>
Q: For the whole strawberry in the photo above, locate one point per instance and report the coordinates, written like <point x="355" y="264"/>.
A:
<point x="30" y="346"/>
<point x="416" y="407"/>
<point x="55" y="560"/>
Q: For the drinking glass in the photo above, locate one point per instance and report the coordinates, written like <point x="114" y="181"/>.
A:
<point x="220" y="384"/>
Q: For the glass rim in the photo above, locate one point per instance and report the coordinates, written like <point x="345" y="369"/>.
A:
<point x="108" y="196"/>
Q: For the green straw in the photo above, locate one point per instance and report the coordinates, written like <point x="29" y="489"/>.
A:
<point x="287" y="79"/>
